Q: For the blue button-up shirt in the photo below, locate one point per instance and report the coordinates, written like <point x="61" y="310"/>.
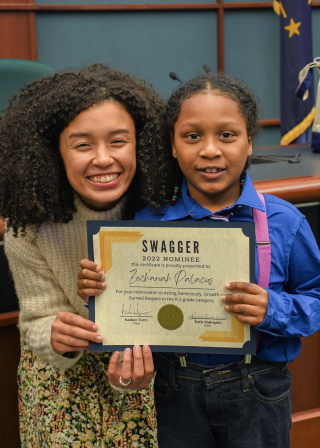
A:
<point x="294" y="287"/>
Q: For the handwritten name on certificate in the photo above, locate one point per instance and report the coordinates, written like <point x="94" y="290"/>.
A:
<point x="165" y="282"/>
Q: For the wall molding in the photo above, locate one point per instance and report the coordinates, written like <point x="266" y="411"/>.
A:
<point x="134" y="7"/>
<point x="270" y="122"/>
<point x="220" y="5"/>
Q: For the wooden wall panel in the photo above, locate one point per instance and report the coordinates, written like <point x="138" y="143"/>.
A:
<point x="9" y="360"/>
<point x="18" y="33"/>
<point x="305" y="432"/>
<point x="305" y="371"/>
<point x="220" y="28"/>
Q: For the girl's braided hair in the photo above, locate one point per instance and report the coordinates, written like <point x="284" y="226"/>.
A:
<point x="231" y="87"/>
<point x="33" y="184"/>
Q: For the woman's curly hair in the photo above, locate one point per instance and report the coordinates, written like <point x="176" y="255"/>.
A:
<point x="229" y="86"/>
<point x="33" y="184"/>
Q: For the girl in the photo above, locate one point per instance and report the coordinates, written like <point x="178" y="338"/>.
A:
<point x="222" y="400"/>
<point x="74" y="146"/>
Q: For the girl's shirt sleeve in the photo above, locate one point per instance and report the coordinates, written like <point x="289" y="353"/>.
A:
<point x="295" y="311"/>
<point x="40" y="297"/>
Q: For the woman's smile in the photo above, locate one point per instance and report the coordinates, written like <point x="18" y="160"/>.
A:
<point x="104" y="180"/>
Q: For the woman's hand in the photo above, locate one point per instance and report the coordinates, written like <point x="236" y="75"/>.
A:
<point x="90" y="281"/>
<point x="249" y="306"/>
<point x="72" y="333"/>
<point x="137" y="366"/>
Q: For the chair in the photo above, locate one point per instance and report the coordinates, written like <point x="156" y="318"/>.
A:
<point x="16" y="73"/>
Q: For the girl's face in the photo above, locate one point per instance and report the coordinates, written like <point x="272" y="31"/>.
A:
<point x="98" y="149"/>
<point x="211" y="145"/>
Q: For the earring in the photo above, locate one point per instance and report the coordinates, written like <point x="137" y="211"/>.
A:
<point x="175" y="195"/>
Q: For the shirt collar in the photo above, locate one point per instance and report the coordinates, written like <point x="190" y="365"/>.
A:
<point x="186" y="206"/>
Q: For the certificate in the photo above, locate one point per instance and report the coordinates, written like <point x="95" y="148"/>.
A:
<point x="164" y="285"/>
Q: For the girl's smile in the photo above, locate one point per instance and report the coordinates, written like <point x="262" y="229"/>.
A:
<point x="211" y="172"/>
<point x="98" y="149"/>
<point x="211" y="145"/>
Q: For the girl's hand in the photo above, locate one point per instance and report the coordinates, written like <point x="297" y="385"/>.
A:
<point x="137" y="365"/>
<point x="71" y="333"/>
<point x="90" y="281"/>
<point x="249" y="306"/>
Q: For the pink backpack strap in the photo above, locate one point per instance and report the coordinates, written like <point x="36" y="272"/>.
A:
<point x="263" y="244"/>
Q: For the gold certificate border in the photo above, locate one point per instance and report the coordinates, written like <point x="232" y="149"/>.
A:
<point x="235" y="335"/>
<point x="108" y="237"/>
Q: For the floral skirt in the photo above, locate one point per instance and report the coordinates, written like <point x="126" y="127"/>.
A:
<point x="78" y="408"/>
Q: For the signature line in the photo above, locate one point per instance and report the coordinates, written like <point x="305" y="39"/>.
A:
<point x="169" y="287"/>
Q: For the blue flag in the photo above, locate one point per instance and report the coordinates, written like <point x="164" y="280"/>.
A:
<point x="296" y="52"/>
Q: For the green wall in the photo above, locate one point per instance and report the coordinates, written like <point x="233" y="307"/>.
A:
<point x="150" y="44"/>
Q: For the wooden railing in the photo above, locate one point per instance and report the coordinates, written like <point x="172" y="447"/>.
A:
<point x="7" y="319"/>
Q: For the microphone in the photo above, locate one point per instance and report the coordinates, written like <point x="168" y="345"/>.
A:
<point x="175" y="77"/>
<point x="207" y="69"/>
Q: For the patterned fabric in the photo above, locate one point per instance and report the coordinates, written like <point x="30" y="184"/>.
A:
<point x="78" y="408"/>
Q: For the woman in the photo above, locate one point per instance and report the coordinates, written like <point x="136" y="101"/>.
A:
<point x="74" y="146"/>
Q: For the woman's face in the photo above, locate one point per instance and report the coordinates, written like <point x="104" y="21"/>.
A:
<point x="98" y="149"/>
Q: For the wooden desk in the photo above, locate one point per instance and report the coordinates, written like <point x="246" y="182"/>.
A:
<point x="295" y="182"/>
